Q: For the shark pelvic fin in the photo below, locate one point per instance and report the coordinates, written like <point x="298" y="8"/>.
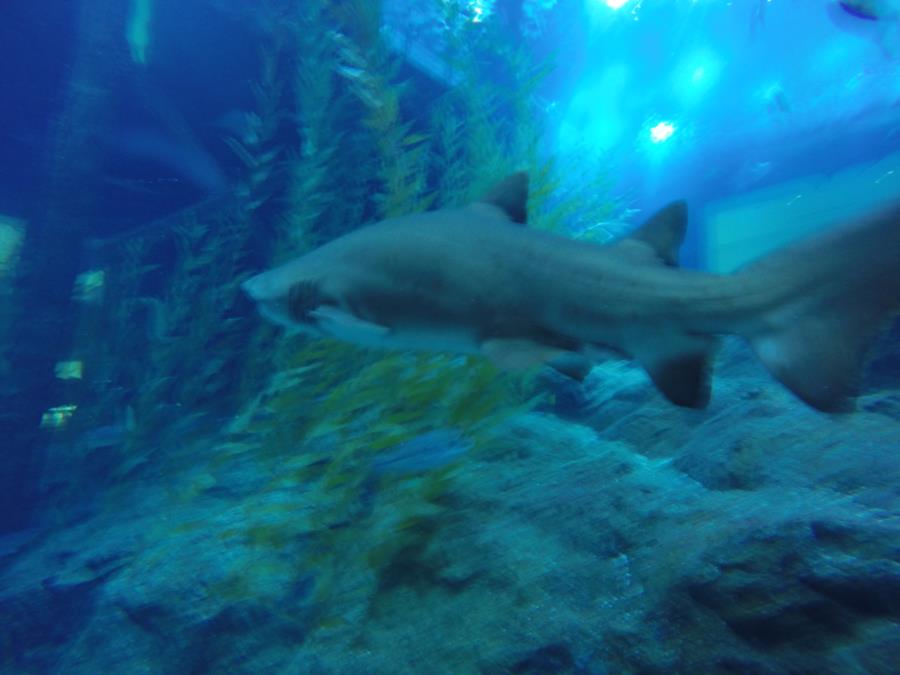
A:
<point x="516" y="355"/>
<point x="680" y="369"/>
<point x="510" y="196"/>
<point x="661" y="235"/>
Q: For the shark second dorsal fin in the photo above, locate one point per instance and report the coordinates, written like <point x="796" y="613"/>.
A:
<point x="664" y="232"/>
<point x="510" y="196"/>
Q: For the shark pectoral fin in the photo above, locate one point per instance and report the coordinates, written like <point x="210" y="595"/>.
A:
<point x="571" y="365"/>
<point x="516" y="354"/>
<point x="345" y="326"/>
<point x="660" y="237"/>
<point x="681" y="371"/>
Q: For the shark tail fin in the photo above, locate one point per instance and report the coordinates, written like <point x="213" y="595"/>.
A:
<point x="839" y="292"/>
<point x="820" y="358"/>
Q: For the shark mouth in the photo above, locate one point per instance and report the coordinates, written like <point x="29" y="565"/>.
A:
<point x="294" y="310"/>
<point x="302" y="300"/>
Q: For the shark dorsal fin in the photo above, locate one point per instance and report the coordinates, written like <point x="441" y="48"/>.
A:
<point x="663" y="232"/>
<point x="510" y="196"/>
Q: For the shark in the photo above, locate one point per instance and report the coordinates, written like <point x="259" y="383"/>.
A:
<point x="479" y="280"/>
<point x="872" y="20"/>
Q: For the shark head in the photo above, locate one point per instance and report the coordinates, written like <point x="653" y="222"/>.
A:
<point x="288" y="300"/>
<point x="390" y="284"/>
<point x="304" y="300"/>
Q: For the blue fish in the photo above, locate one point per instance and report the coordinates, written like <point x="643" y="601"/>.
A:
<point x="868" y="11"/>
<point x="428" y="451"/>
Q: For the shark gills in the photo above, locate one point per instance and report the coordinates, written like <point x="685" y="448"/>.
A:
<point x="477" y="280"/>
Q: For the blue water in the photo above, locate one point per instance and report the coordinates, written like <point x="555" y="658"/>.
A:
<point x="188" y="488"/>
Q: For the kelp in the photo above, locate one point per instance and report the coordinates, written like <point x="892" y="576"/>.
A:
<point x="330" y="410"/>
<point x="337" y="140"/>
<point x="170" y="335"/>
<point x="257" y="147"/>
<point x="322" y="426"/>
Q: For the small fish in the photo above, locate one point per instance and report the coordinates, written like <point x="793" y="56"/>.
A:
<point x="778" y="102"/>
<point x="425" y="452"/>
<point x="867" y="10"/>
<point x="428" y="451"/>
<point x="110" y="435"/>
<point x="758" y="18"/>
<point x="351" y="73"/>
<point x="183" y="159"/>
<point x="12" y="543"/>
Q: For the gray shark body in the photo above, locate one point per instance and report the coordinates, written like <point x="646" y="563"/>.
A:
<point x="478" y="280"/>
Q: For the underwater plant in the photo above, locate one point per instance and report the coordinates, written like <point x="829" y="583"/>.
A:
<point x="375" y="470"/>
<point x="12" y="234"/>
<point x="257" y="146"/>
<point x="367" y="444"/>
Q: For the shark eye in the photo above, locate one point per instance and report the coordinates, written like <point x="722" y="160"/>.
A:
<point x="302" y="299"/>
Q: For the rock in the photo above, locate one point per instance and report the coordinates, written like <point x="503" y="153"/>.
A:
<point x="758" y="537"/>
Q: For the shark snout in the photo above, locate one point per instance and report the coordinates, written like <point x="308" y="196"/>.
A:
<point x="271" y="298"/>
<point x="258" y="288"/>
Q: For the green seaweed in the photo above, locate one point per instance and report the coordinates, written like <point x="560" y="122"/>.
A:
<point x="293" y="426"/>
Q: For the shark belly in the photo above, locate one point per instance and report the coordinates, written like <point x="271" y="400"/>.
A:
<point x="349" y="327"/>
